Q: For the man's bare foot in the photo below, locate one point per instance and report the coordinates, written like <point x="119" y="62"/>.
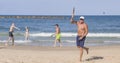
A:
<point x="60" y="45"/>
<point x="6" y="44"/>
<point x="80" y="60"/>
<point x="13" y="45"/>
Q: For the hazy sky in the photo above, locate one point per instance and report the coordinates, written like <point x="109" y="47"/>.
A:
<point x="59" y="7"/>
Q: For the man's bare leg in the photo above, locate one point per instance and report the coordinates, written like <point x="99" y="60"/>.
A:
<point x="13" y="41"/>
<point x="6" y="44"/>
<point x="81" y="53"/>
<point x="60" y="43"/>
<point x="55" y="43"/>
<point x="86" y="49"/>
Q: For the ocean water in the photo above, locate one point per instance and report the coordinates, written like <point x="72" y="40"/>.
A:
<point x="103" y="30"/>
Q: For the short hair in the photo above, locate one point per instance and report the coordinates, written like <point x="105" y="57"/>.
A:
<point x="56" y="25"/>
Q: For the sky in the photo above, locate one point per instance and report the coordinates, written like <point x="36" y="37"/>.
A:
<point x="59" y="7"/>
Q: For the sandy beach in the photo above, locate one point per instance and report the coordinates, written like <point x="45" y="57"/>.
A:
<point x="37" y="54"/>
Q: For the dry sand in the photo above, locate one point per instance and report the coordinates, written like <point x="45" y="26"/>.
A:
<point x="34" y="54"/>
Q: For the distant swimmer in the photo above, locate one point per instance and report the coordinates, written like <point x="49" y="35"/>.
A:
<point x="82" y="28"/>
<point x="26" y="33"/>
<point x="11" y="36"/>
<point x="57" y="35"/>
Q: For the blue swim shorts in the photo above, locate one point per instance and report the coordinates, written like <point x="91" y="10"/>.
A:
<point x="80" y="42"/>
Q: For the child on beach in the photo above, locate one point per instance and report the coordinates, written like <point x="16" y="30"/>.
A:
<point x="26" y="33"/>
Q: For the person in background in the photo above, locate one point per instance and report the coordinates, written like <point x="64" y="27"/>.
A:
<point x="57" y="35"/>
<point x="11" y="35"/>
<point x="26" y="33"/>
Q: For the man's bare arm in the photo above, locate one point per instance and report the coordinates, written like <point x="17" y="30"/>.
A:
<point x="86" y="30"/>
<point x="72" y="18"/>
<point x="73" y="22"/>
<point x="16" y="28"/>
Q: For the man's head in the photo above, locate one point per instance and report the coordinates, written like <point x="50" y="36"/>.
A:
<point x="82" y="19"/>
<point x="56" y="25"/>
<point x="26" y="27"/>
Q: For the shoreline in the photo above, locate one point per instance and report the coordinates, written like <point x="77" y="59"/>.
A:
<point x="67" y="41"/>
<point x="51" y="48"/>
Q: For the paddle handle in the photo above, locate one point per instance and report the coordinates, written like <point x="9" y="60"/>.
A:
<point x="73" y="12"/>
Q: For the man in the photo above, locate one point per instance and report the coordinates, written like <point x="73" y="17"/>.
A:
<point x="11" y="36"/>
<point x="81" y="34"/>
<point x="57" y="35"/>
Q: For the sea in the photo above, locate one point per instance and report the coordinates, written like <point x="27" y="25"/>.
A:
<point x="103" y="29"/>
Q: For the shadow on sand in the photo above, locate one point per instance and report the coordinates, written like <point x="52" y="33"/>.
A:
<point x="94" y="58"/>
